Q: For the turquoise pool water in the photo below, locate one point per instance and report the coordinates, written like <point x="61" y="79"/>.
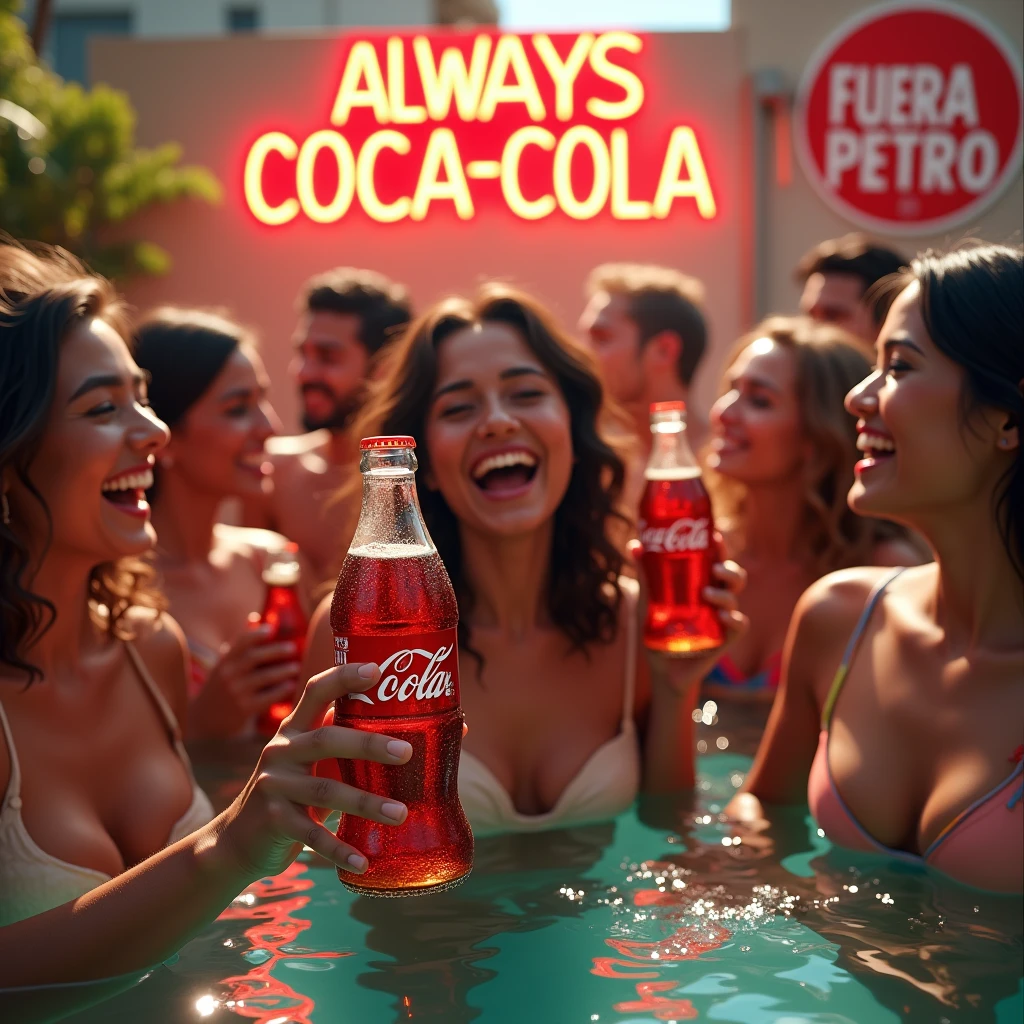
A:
<point x="665" y="914"/>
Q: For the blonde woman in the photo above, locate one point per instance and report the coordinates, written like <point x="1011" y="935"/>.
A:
<point x="781" y="458"/>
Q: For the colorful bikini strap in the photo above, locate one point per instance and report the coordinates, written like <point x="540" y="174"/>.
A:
<point x="851" y="647"/>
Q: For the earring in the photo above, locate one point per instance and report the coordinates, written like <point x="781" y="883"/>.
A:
<point x="5" y="510"/>
<point x="1004" y="442"/>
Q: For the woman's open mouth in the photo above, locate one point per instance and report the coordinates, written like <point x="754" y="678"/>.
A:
<point x="506" y="474"/>
<point x="127" y="491"/>
<point x="877" y="448"/>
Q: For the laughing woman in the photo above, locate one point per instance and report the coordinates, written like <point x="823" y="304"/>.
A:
<point x="899" y="717"/>
<point x="110" y="857"/>
<point x="519" y="488"/>
<point x="208" y="384"/>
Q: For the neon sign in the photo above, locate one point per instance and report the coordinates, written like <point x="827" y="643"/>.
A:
<point x="554" y="125"/>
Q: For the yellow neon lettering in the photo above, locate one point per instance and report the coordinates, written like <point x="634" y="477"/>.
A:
<point x="683" y="151"/>
<point x="272" y="142"/>
<point x="400" y="112"/>
<point x="563" y="74"/>
<point x="338" y="206"/>
<point x="584" y="135"/>
<point x="386" y="213"/>
<point x="450" y="78"/>
<point x="624" y="208"/>
<point x="361" y="64"/>
<point x="442" y="151"/>
<point x="528" y="209"/>
<point x="510" y="55"/>
<point x="617" y="75"/>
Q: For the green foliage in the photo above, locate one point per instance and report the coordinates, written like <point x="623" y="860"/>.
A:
<point x="68" y="183"/>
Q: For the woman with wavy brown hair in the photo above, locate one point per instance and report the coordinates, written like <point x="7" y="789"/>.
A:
<point x="780" y="461"/>
<point x="109" y="859"/>
<point x="520" y="487"/>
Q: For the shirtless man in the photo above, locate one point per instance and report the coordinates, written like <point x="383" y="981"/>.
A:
<point x="346" y="316"/>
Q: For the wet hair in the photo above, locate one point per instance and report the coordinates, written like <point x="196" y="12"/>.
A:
<point x="583" y="592"/>
<point x="972" y="304"/>
<point x="381" y="306"/>
<point x="44" y="296"/>
<point x="659" y="299"/>
<point x="828" y="362"/>
<point x="858" y="256"/>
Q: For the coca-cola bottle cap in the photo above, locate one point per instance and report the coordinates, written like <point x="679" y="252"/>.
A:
<point x="388" y="441"/>
<point x="668" y="407"/>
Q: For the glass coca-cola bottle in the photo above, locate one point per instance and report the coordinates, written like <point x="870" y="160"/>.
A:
<point x="675" y="527"/>
<point x="394" y="605"/>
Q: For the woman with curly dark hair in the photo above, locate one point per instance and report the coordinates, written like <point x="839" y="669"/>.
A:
<point x="520" y="487"/>
<point x="109" y="859"/>
<point x="780" y="462"/>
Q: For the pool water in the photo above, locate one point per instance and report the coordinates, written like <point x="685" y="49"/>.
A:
<point x="666" y="914"/>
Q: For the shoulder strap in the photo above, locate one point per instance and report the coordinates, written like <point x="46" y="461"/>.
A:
<point x="14" y="783"/>
<point x="853" y="643"/>
<point x="631" y="594"/>
<point x="154" y="691"/>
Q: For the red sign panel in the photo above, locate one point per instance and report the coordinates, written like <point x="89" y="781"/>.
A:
<point x="563" y="125"/>
<point x="908" y="119"/>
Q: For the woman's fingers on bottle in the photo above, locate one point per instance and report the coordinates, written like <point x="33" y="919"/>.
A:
<point x="332" y="741"/>
<point x="262" y="699"/>
<point x="264" y="654"/>
<point x="317" y="791"/>
<point x="731" y="573"/>
<point x="321" y="841"/>
<point x="322" y="689"/>
<point x="719" y="597"/>
<point x="270" y="675"/>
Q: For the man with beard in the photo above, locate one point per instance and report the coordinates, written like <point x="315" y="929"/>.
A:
<point x="346" y="317"/>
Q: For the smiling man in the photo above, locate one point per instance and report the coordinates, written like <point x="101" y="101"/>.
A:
<point x="346" y="317"/>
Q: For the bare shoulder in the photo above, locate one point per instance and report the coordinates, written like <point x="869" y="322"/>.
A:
<point x="283" y="448"/>
<point x="897" y="552"/>
<point x="246" y="540"/>
<point x="163" y="648"/>
<point x="834" y="602"/>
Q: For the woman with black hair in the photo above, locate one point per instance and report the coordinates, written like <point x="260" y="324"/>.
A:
<point x="208" y="384"/>
<point x="520" y="487"/>
<point x="899" y="717"/>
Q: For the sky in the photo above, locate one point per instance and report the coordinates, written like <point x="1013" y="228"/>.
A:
<point x="643" y="15"/>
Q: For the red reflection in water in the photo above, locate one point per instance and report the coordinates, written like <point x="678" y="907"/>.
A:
<point x="687" y="942"/>
<point x="663" y="1007"/>
<point x="264" y="996"/>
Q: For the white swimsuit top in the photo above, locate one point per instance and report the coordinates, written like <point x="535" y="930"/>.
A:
<point x="33" y="881"/>
<point x="603" y="788"/>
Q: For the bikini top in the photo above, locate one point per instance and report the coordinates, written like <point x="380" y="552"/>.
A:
<point x="604" y="787"/>
<point x="726" y="678"/>
<point x="982" y="846"/>
<point x="33" y="881"/>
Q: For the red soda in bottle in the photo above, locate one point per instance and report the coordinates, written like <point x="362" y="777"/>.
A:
<point x="675" y="527"/>
<point x="282" y="611"/>
<point x="394" y="605"/>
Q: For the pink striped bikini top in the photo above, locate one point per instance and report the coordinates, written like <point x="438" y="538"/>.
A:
<point x="983" y="846"/>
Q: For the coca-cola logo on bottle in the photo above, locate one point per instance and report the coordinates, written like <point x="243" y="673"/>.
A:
<point x="683" y="535"/>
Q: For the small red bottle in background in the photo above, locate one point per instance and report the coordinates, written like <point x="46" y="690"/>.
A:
<point x="282" y="611"/>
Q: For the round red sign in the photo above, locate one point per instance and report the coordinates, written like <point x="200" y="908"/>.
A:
<point x="908" y="118"/>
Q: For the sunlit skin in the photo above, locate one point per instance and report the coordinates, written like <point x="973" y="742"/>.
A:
<point x="212" y="572"/>
<point x="839" y="299"/>
<point x="90" y="707"/>
<point x="330" y="368"/>
<point x="937" y="727"/>
<point x="493" y="395"/>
